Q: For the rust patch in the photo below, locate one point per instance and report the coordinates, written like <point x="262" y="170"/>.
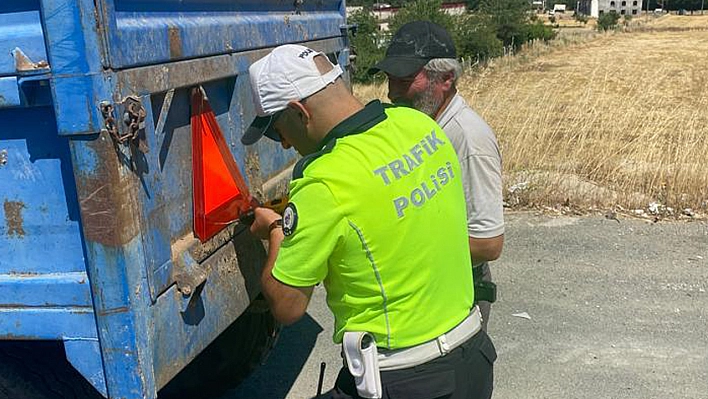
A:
<point x="201" y="251"/>
<point x="23" y="274"/>
<point x="106" y="312"/>
<point x="253" y="173"/>
<point x="106" y="198"/>
<point x="182" y="244"/>
<point x="175" y="42"/>
<point x="25" y="64"/>
<point x="13" y="218"/>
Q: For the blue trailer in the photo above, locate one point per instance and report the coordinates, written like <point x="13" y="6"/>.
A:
<point x="105" y="289"/>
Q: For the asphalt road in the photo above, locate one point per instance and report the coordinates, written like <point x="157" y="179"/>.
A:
<point x="616" y="310"/>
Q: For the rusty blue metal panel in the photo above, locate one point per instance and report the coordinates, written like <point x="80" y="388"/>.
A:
<point x="46" y="323"/>
<point x="9" y="92"/>
<point x="45" y="290"/>
<point x="39" y="218"/>
<point x="24" y="91"/>
<point x="234" y="107"/>
<point x="156" y="198"/>
<point x="75" y="57"/>
<point x="85" y="355"/>
<point x="229" y="287"/>
<point x="116" y="266"/>
<point x="35" y="90"/>
<point x="20" y="27"/>
<point x="134" y="242"/>
<point x="143" y="33"/>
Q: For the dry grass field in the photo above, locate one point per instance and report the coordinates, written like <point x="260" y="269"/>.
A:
<point x="683" y="21"/>
<point x="617" y="122"/>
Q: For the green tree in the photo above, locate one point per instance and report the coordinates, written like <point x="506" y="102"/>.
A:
<point x="422" y="10"/>
<point x="581" y="18"/>
<point x="476" y="37"/>
<point x="607" y="21"/>
<point x="474" y="34"/>
<point x="689" y="5"/>
<point x="510" y="19"/>
<point x="365" y="43"/>
<point x="472" y="5"/>
<point x="538" y="30"/>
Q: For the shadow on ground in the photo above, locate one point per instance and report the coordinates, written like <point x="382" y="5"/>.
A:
<point x="277" y="375"/>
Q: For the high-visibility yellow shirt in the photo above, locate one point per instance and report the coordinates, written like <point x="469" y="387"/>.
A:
<point x="378" y="215"/>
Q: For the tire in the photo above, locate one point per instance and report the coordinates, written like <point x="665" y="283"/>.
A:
<point x="228" y="360"/>
<point x="39" y="370"/>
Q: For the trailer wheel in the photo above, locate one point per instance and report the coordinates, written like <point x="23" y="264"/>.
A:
<point x="229" y="359"/>
<point x="39" y="370"/>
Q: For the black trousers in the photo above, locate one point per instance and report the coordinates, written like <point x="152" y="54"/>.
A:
<point x="464" y="373"/>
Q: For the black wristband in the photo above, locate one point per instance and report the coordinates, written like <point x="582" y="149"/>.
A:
<point x="278" y="223"/>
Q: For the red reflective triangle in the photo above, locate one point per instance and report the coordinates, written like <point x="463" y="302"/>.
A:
<point x="220" y="192"/>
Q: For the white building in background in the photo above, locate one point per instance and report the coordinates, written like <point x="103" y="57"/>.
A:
<point x="595" y="8"/>
<point x="559" y="8"/>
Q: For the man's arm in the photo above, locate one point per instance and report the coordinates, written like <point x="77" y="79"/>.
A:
<point x="287" y="303"/>
<point x="486" y="249"/>
<point x="482" y="175"/>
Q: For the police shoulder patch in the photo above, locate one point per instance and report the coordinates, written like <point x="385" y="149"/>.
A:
<point x="289" y="219"/>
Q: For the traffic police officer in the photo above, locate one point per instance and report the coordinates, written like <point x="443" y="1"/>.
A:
<point x="377" y="214"/>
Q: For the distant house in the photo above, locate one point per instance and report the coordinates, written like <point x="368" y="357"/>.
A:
<point x="559" y="8"/>
<point x="595" y="8"/>
<point x="538" y="5"/>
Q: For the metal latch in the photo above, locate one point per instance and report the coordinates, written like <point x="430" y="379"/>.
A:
<point x="190" y="278"/>
<point x="133" y="119"/>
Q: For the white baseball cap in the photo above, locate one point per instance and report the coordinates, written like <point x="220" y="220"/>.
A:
<point x="288" y="73"/>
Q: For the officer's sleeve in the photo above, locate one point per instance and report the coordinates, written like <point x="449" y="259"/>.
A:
<point x="313" y="231"/>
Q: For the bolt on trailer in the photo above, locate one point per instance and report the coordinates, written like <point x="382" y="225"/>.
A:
<point x="124" y="271"/>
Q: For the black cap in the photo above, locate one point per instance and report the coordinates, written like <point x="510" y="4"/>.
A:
<point x="412" y="46"/>
<point x="262" y="125"/>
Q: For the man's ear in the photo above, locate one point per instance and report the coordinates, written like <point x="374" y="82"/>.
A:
<point x="301" y="111"/>
<point x="448" y="81"/>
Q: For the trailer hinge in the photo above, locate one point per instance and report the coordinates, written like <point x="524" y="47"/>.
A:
<point x="133" y="119"/>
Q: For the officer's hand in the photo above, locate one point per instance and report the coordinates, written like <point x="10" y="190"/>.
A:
<point x="264" y="218"/>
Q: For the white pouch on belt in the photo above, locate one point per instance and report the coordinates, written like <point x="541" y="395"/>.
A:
<point x="363" y="363"/>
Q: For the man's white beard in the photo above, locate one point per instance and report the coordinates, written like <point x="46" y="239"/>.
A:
<point x="426" y="102"/>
